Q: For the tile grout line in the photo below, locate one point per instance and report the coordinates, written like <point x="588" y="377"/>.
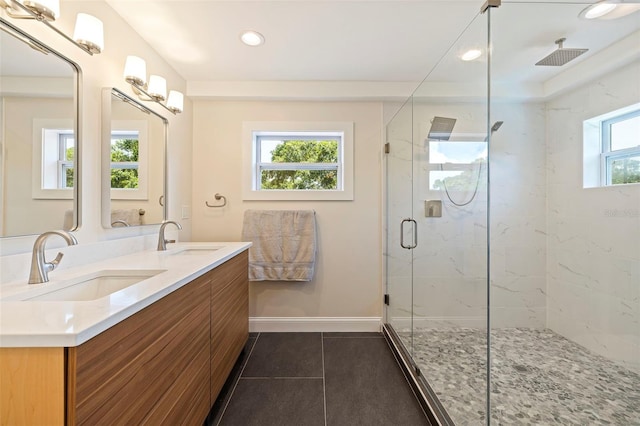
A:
<point x="280" y="378"/>
<point x="237" y="381"/>
<point x="324" y="387"/>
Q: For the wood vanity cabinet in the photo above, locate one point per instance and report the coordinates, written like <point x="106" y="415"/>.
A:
<point x="229" y="318"/>
<point x="165" y="364"/>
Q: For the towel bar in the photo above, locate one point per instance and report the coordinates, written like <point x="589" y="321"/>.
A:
<point x="218" y="196"/>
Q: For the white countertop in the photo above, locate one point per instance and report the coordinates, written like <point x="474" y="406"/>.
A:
<point x="66" y="324"/>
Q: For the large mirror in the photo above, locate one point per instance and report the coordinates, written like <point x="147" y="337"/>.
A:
<point x="39" y="141"/>
<point x="134" y="140"/>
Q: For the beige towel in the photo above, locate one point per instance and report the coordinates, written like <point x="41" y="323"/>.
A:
<point x="68" y="220"/>
<point x="284" y="244"/>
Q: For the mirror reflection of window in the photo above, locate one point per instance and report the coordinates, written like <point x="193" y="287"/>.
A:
<point x="125" y="156"/>
<point x="457" y="162"/>
<point x="58" y="152"/>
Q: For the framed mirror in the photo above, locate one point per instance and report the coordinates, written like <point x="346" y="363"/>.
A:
<point x="39" y="137"/>
<point x="134" y="144"/>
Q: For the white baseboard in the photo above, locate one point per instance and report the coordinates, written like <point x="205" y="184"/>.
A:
<point x="315" y="324"/>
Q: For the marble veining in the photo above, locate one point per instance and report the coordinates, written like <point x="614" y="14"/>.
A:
<point x="537" y="378"/>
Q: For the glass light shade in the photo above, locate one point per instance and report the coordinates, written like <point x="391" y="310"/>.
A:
<point x="157" y="87"/>
<point x="89" y="32"/>
<point x="47" y="9"/>
<point x="176" y="101"/>
<point x="135" y="71"/>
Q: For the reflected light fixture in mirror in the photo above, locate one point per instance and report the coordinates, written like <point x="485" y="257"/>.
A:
<point x="135" y="73"/>
<point x="88" y="33"/>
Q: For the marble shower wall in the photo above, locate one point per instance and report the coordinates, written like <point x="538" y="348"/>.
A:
<point x="449" y="269"/>
<point x="593" y="255"/>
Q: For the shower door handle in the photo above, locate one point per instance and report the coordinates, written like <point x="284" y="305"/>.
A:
<point x="415" y="234"/>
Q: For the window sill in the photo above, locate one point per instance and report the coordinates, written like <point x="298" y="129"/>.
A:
<point x="301" y="195"/>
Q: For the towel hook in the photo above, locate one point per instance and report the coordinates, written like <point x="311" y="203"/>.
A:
<point x="218" y="196"/>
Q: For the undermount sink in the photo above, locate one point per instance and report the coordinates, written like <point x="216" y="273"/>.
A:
<point x="197" y="251"/>
<point x="96" y="285"/>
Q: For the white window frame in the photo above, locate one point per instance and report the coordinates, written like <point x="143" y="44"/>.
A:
<point x="597" y="153"/>
<point x="64" y="165"/>
<point x="254" y="131"/>
<point x="45" y="163"/>
<point x="608" y="155"/>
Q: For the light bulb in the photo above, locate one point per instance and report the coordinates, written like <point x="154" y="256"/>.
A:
<point x="252" y="38"/>
<point x="470" y="55"/>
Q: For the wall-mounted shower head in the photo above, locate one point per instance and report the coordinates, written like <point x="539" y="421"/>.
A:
<point x="441" y="128"/>
<point x="561" y="55"/>
<point x="494" y="129"/>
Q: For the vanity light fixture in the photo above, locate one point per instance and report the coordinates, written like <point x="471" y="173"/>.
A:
<point x="135" y="73"/>
<point x="88" y="33"/>
<point x="252" y="38"/>
<point x="471" y="55"/>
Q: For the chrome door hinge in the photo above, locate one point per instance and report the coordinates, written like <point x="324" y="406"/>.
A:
<point x="386" y="299"/>
<point x="387" y="148"/>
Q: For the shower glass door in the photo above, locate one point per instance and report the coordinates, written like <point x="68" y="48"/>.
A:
<point x="399" y="201"/>
<point x="437" y="215"/>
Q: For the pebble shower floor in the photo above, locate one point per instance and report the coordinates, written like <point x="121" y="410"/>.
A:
<point x="538" y="378"/>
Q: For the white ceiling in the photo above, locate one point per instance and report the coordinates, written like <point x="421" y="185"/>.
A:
<point x="381" y="41"/>
<point x="373" y="48"/>
<point x="320" y="40"/>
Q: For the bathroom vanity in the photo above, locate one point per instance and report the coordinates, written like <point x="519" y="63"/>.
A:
<point x="155" y="352"/>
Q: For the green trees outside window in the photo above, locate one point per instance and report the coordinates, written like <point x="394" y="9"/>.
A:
<point x="302" y="165"/>
<point x="124" y="163"/>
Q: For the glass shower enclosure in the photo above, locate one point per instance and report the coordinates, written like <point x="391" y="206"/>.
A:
<point x="512" y="249"/>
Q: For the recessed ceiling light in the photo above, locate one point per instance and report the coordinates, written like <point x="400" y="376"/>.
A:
<point x="597" y="10"/>
<point x="470" y="55"/>
<point x="252" y="38"/>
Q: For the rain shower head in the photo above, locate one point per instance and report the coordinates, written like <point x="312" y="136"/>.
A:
<point x="561" y="55"/>
<point x="441" y="128"/>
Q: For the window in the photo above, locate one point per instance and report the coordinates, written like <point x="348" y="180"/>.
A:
<point x="612" y="148"/>
<point x="298" y="161"/>
<point x="53" y="155"/>
<point x="124" y="159"/>
<point x="66" y="154"/>
<point x="458" y="164"/>
<point x="621" y="149"/>
<point x="129" y="157"/>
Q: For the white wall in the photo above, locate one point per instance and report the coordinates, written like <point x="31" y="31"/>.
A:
<point x="593" y="246"/>
<point x="26" y="212"/>
<point x="105" y="70"/>
<point x="347" y="282"/>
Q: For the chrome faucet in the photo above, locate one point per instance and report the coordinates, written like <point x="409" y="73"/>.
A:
<point x="162" y="243"/>
<point x="40" y="268"/>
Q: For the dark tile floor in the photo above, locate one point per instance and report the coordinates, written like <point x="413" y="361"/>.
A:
<point x="330" y="379"/>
